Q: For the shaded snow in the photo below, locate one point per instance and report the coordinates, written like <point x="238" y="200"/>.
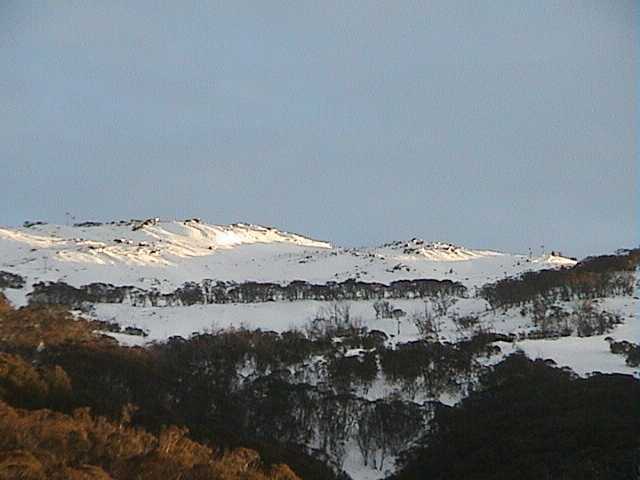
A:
<point x="584" y="355"/>
<point x="589" y="354"/>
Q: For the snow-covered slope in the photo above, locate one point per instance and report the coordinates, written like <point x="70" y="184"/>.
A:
<point x="164" y="255"/>
<point x="161" y="256"/>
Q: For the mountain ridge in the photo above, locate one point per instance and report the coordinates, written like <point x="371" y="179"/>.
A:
<point x="169" y="253"/>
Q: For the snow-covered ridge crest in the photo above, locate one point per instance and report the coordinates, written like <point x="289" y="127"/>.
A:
<point x="140" y="251"/>
<point x="437" y="251"/>
<point x="224" y="236"/>
<point x="163" y="255"/>
<point x="183" y="238"/>
<point x="555" y="259"/>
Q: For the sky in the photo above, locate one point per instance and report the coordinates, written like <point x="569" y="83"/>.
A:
<point x="489" y="124"/>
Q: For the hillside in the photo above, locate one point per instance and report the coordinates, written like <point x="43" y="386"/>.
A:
<point x="164" y="255"/>
<point x="300" y="332"/>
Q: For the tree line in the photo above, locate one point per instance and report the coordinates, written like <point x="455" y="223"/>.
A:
<point x="602" y="276"/>
<point x="210" y="291"/>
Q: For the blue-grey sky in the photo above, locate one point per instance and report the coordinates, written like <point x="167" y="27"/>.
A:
<point x="501" y="124"/>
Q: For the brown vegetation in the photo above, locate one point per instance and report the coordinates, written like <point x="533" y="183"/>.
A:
<point x="44" y="327"/>
<point x="43" y="435"/>
<point x="43" y="444"/>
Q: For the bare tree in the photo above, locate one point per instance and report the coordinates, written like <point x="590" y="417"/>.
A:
<point x="427" y="323"/>
<point x="383" y="309"/>
<point x="442" y="303"/>
<point x="333" y="319"/>
<point x="398" y="313"/>
<point x="429" y="320"/>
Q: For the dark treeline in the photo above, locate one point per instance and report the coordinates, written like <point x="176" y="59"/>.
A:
<point x="210" y="291"/>
<point x="11" y="280"/>
<point x="234" y="389"/>
<point x="593" y="277"/>
<point x="630" y="351"/>
<point x="530" y="420"/>
<point x="262" y="389"/>
<point x="435" y="367"/>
